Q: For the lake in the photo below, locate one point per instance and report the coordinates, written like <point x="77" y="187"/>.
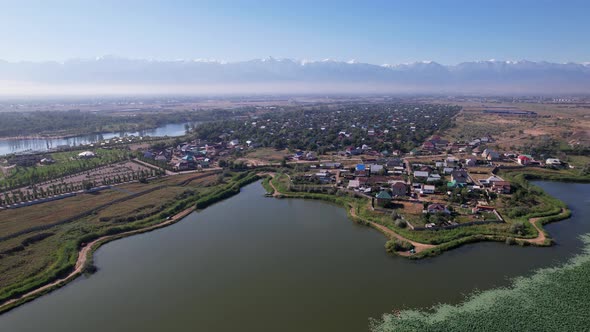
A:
<point x="42" y="144"/>
<point x="252" y="263"/>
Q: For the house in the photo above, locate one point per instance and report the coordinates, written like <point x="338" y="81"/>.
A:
<point x="397" y="170"/>
<point x="47" y="161"/>
<point x="437" y="208"/>
<point x="493" y="155"/>
<point x="421" y="174"/>
<point x="183" y="165"/>
<point x="427" y="189"/>
<point x="360" y="167"/>
<point x="234" y="142"/>
<point x="553" y="161"/>
<point x="414" y="152"/>
<point x="377" y="180"/>
<point x="486" y="152"/>
<point x="454" y="184"/>
<point x="383" y="198"/>
<point x="399" y="189"/>
<point x="448" y="170"/>
<point x="451" y="162"/>
<point x="428" y="145"/>
<point x="524" y="159"/>
<point x="491" y="180"/>
<point x="433" y="178"/>
<point x="161" y="157"/>
<point x="426" y="168"/>
<point x="501" y="187"/>
<point x="353" y="184"/>
<point x="86" y="155"/>
<point x="396" y="162"/>
<point x="470" y="162"/>
<point x="375" y="169"/>
<point x="459" y="176"/>
<point x="298" y="155"/>
<point x="331" y="165"/>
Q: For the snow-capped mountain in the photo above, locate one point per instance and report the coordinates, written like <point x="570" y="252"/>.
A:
<point x="427" y="76"/>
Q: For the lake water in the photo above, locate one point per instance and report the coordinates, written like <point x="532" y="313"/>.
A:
<point x="19" y="145"/>
<point x="252" y="263"/>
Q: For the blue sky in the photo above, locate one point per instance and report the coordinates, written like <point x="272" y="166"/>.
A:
<point x="377" y="32"/>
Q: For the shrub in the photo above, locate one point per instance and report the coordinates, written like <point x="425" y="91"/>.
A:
<point x="401" y="223"/>
<point x="394" y="245"/>
<point x="517" y="228"/>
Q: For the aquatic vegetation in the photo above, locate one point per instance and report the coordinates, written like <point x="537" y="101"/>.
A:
<point x="552" y="299"/>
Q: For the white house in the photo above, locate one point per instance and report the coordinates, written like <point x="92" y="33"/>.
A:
<point x="421" y="174"/>
<point x="86" y="154"/>
<point x="352" y="184"/>
<point x="553" y="161"/>
<point x="427" y="189"/>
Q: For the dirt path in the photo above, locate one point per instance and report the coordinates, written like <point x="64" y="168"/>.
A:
<point x="84" y="255"/>
<point x="540" y="239"/>
<point x="418" y="247"/>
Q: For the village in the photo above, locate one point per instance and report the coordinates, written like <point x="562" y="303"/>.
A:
<point x="439" y="185"/>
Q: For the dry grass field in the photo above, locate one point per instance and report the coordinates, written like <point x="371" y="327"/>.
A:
<point x="566" y="123"/>
<point x="27" y="256"/>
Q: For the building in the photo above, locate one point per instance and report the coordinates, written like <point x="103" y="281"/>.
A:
<point x="421" y="174"/>
<point x="524" y="159"/>
<point x="437" y="208"/>
<point x="353" y="184"/>
<point x="553" y="161"/>
<point x="433" y="178"/>
<point x="376" y="168"/>
<point x="459" y="176"/>
<point x="86" y="155"/>
<point x="427" y="189"/>
<point x="501" y="187"/>
<point x="383" y="198"/>
<point x="399" y="189"/>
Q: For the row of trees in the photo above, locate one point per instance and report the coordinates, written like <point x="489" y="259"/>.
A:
<point x="64" y="188"/>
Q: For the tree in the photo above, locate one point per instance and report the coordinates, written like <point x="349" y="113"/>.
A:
<point x="87" y="185"/>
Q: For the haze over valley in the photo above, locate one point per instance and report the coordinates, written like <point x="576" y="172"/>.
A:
<point x="111" y="75"/>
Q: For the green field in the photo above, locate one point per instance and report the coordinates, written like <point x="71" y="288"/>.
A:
<point x="66" y="163"/>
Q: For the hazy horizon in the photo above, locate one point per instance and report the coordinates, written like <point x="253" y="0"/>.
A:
<point x="112" y="75"/>
<point x="442" y="47"/>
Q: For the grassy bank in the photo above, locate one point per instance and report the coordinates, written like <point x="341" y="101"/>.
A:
<point x="54" y="257"/>
<point x="512" y="232"/>
<point x="536" y="173"/>
<point x="553" y="299"/>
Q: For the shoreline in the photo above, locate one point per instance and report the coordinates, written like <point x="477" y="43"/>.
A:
<point x="85" y="254"/>
<point x="424" y="250"/>
<point x="66" y="136"/>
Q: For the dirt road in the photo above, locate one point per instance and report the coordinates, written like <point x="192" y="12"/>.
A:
<point x="85" y="253"/>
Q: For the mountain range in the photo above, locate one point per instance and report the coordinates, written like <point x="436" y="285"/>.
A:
<point x="502" y="77"/>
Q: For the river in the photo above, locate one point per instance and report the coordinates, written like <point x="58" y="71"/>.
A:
<point x="43" y="144"/>
<point x="252" y="263"/>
